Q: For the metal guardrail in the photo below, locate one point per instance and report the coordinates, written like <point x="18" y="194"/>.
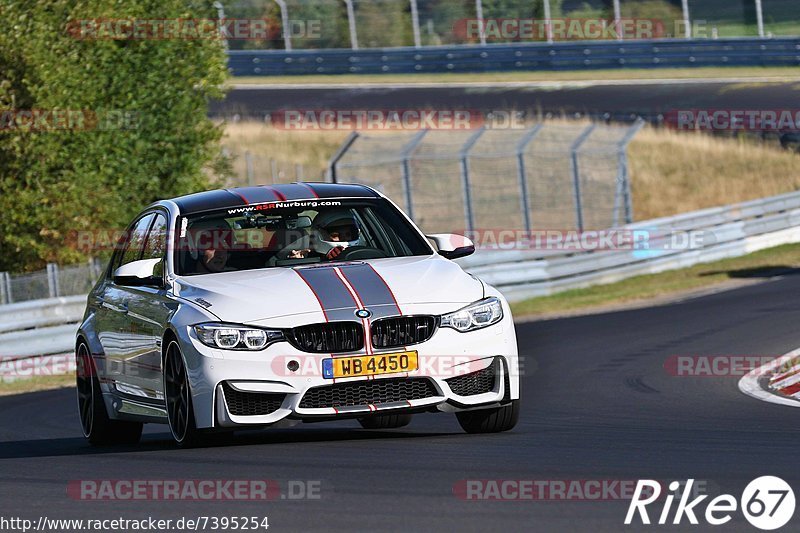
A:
<point x="729" y="231"/>
<point x="590" y="55"/>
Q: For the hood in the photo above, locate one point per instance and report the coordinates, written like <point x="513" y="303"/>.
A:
<point x="333" y="291"/>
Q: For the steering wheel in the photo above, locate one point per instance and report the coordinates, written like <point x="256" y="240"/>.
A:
<point x="361" y="252"/>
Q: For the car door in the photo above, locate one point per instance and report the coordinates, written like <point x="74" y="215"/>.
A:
<point x="149" y="310"/>
<point x="113" y="321"/>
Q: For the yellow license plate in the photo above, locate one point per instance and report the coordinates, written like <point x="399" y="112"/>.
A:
<point x="369" y="365"/>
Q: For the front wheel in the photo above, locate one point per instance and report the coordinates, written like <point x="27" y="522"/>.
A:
<point x="490" y="420"/>
<point x="98" y="428"/>
<point x="180" y="413"/>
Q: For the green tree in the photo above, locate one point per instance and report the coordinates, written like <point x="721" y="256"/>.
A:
<point x="158" y="142"/>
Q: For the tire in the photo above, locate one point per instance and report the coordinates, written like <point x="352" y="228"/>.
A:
<point x="385" y="421"/>
<point x="97" y="427"/>
<point x="490" y="420"/>
<point x="178" y="398"/>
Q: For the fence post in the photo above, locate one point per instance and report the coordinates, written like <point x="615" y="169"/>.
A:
<point x="406" y="153"/>
<point x="52" y="280"/>
<point x="3" y="288"/>
<point x="94" y="269"/>
<point x="415" y="23"/>
<point x="522" y="174"/>
<point x="479" y="16"/>
<point x="287" y="30"/>
<point x="351" y="21"/>
<point x="273" y="168"/>
<point x="9" y="292"/>
<point x="330" y="176"/>
<point x="618" y="20"/>
<point x="760" y="18"/>
<point x="687" y="21"/>
<point x="548" y="22"/>
<point x="248" y="160"/>
<point x="221" y="23"/>
<point x="623" y="176"/>
<point x="464" y="155"/>
<point x="576" y="173"/>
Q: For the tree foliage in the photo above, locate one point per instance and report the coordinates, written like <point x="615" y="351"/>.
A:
<point x="154" y="139"/>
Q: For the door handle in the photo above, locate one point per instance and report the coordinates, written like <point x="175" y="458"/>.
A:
<point x="124" y="308"/>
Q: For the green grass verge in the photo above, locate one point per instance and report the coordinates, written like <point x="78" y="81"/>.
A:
<point x="762" y="264"/>
<point x="36" y="383"/>
<point x="535" y="76"/>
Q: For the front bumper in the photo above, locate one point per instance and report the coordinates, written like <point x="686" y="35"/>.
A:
<point x="240" y="389"/>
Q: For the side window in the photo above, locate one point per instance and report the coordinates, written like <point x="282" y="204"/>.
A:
<point x="156" y="244"/>
<point x="132" y="249"/>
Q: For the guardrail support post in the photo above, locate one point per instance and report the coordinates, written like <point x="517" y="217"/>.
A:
<point x="523" y="175"/>
<point x="464" y="155"/>
<point x="407" y="151"/>
<point x="576" y="174"/>
<point x="330" y="175"/>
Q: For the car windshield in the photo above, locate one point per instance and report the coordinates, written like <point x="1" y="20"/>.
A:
<point x="292" y="233"/>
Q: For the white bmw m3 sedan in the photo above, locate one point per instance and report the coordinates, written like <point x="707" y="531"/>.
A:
<point x="270" y="306"/>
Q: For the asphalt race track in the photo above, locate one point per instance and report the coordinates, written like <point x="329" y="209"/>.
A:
<point x="598" y="404"/>
<point x="620" y="101"/>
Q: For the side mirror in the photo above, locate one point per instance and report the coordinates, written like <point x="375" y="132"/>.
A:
<point x="139" y="274"/>
<point x="452" y="246"/>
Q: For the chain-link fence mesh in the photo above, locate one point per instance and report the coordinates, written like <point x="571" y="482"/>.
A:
<point x="53" y="282"/>
<point x="253" y="169"/>
<point x="548" y="176"/>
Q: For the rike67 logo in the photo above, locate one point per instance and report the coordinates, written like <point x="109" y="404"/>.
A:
<point x="767" y="503"/>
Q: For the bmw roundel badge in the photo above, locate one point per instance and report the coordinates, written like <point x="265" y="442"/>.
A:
<point x="363" y="313"/>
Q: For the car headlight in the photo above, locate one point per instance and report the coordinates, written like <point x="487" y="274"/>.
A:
<point x="234" y="337"/>
<point x="479" y="315"/>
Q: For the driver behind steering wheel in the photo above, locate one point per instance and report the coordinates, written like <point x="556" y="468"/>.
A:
<point x="332" y="232"/>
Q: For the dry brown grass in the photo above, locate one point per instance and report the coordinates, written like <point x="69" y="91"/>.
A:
<point x="672" y="172"/>
<point x="312" y="149"/>
<point x="675" y="172"/>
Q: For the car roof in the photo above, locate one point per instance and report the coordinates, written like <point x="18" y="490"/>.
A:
<point x="242" y="196"/>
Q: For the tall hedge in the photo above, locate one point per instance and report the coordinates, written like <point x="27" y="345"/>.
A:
<point x="154" y="140"/>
